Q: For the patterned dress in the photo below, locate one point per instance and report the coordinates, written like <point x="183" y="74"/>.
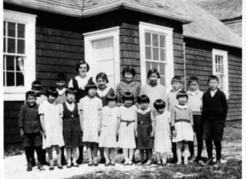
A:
<point x="103" y="94"/>
<point x="144" y="129"/>
<point x="61" y="98"/>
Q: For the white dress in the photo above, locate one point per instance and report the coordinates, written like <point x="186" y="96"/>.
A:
<point x="91" y="108"/>
<point x="162" y="141"/>
<point x="110" y="117"/>
<point x="52" y="124"/>
<point x="127" y="130"/>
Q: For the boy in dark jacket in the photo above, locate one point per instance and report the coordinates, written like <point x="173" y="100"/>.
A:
<point x="30" y="129"/>
<point x="214" y="113"/>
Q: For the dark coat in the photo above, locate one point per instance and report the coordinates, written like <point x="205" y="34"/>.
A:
<point x="29" y="119"/>
<point x="216" y="107"/>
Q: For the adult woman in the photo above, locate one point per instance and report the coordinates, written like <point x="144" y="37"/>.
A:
<point x="128" y="84"/>
<point x="79" y="81"/>
<point x="153" y="89"/>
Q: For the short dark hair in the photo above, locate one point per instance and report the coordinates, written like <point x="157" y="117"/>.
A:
<point x="111" y="97"/>
<point x="30" y="93"/>
<point x="213" y="77"/>
<point x="51" y="91"/>
<point x="193" y="78"/>
<point x="176" y="79"/>
<point x="103" y="76"/>
<point x="77" y="66"/>
<point x="128" y="96"/>
<point x="159" y="104"/>
<point x="71" y="91"/>
<point x="182" y="93"/>
<point x="143" y="99"/>
<point x="36" y="84"/>
<point x="128" y="70"/>
<point x="153" y="71"/>
<point x="61" y="77"/>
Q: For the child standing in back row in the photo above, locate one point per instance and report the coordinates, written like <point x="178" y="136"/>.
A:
<point x="182" y="127"/>
<point x="144" y="129"/>
<point x="214" y="113"/>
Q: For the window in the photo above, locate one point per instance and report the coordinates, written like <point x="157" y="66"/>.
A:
<point x="220" y="69"/>
<point x="156" y="51"/>
<point x="102" y="53"/>
<point x="18" y="54"/>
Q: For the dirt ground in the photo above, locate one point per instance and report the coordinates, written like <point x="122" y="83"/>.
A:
<point x="15" y="166"/>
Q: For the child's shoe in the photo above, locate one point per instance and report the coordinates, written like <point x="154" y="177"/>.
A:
<point x="90" y="164"/>
<point x="148" y="162"/>
<point x="210" y="161"/>
<point x="51" y="168"/>
<point x="29" y="167"/>
<point x="40" y="167"/>
<point x="185" y="161"/>
<point x="69" y="164"/>
<point x="75" y="164"/>
<point x="179" y="163"/>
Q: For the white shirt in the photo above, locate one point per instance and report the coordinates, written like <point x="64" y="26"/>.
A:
<point x="81" y="82"/>
<point x="213" y="92"/>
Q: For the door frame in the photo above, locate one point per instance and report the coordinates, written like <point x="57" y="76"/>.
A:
<point x="102" y="34"/>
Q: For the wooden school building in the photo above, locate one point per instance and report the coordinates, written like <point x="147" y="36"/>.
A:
<point x="44" y="37"/>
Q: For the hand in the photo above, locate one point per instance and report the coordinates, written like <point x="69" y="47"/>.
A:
<point x="174" y="133"/>
<point x="152" y="134"/>
<point x="21" y="132"/>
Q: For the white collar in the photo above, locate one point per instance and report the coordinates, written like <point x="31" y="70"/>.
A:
<point x="145" y="111"/>
<point x="181" y="107"/>
<point x="70" y="106"/>
<point x="193" y="93"/>
<point x="104" y="92"/>
<point x="62" y="91"/>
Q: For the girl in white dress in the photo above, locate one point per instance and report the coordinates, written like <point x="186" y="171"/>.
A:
<point x="51" y="122"/>
<point x="162" y="131"/>
<point x="182" y="125"/>
<point x="91" y="112"/>
<point x="108" y="127"/>
<point x="127" y="127"/>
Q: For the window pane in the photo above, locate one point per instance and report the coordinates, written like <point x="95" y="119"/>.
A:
<point x="19" y="79"/>
<point x="155" y="66"/>
<point x="148" y="52"/>
<point x="4" y="44"/>
<point x="4" y="28"/>
<point x="147" y="39"/>
<point x="21" y="46"/>
<point x="162" y="41"/>
<point x="20" y="64"/>
<point x="11" y="29"/>
<point x="162" y="69"/>
<point x="21" y="30"/>
<point x="10" y="79"/>
<point x="155" y="54"/>
<point x="11" y="45"/>
<point x="148" y="66"/>
<point x="162" y="54"/>
<point x="4" y="62"/>
<point x="4" y="79"/>
<point x="162" y="80"/>
<point x="155" y="40"/>
<point x="10" y="62"/>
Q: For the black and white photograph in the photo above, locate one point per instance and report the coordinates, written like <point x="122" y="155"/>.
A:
<point x="116" y="89"/>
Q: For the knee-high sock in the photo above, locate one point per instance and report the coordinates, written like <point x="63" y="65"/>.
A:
<point x="174" y="151"/>
<point x="149" y="154"/>
<point x="209" y="146"/>
<point x="80" y="158"/>
<point x="39" y="153"/>
<point x="28" y="151"/>
<point x="217" y="144"/>
<point x="191" y="147"/>
<point x="199" y="146"/>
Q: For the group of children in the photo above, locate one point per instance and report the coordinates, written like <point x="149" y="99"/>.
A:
<point x="167" y="128"/>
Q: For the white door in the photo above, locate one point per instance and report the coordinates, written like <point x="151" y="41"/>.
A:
<point x="102" y="54"/>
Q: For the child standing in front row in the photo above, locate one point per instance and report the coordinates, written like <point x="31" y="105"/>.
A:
<point x="144" y="129"/>
<point x="91" y="112"/>
<point x="127" y="127"/>
<point x="171" y="102"/>
<point x="108" y="129"/>
<point x="214" y="113"/>
<point x="51" y="122"/>
<point x="182" y="127"/>
<point x="71" y="127"/>
<point x="30" y="130"/>
<point x="195" y="103"/>
<point x="162" y="131"/>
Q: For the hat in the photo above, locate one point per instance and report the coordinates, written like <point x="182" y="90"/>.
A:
<point x="127" y="96"/>
<point x="36" y="84"/>
<point x="159" y="104"/>
<point x="181" y="93"/>
<point x="61" y="77"/>
<point x="52" y="91"/>
<point x="111" y="97"/>
<point x="143" y="99"/>
<point x="71" y="91"/>
<point x="90" y="84"/>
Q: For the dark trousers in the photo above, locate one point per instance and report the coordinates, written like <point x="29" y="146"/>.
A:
<point x="63" y="159"/>
<point x="209" y="145"/>
<point x="29" y="152"/>
<point x="102" y="160"/>
<point x="80" y="159"/>
<point x="175" y="158"/>
<point x="148" y="154"/>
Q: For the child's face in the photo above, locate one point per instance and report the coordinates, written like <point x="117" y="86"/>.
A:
<point x="83" y="70"/>
<point x="101" y="83"/>
<point x="31" y="100"/>
<point x="213" y="84"/>
<point x="176" y="85"/>
<point x="111" y="103"/>
<point x="182" y="100"/>
<point x="153" y="79"/>
<point x="70" y="97"/>
<point x="51" y="98"/>
<point x="128" y="102"/>
<point x="128" y="77"/>
<point x="144" y="106"/>
<point x="92" y="92"/>
<point x="60" y="84"/>
<point x="194" y="85"/>
<point x="37" y="91"/>
<point x="161" y="110"/>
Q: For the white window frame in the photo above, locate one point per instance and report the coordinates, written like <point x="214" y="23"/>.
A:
<point x="225" y="65"/>
<point x="169" y="69"/>
<point x="102" y="34"/>
<point x="18" y="93"/>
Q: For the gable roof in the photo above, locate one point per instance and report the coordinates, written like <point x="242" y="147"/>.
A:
<point x="222" y="9"/>
<point x="198" y="23"/>
<point x="208" y="28"/>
